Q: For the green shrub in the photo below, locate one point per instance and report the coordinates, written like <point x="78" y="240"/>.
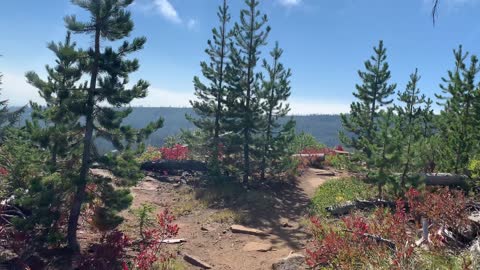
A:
<point x="145" y="217"/>
<point x="338" y="191"/>
<point x="304" y="141"/>
<point x="150" y="154"/>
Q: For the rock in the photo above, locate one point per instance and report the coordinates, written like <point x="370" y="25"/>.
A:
<point x="196" y="261"/>
<point x="149" y="179"/>
<point x="475" y="251"/>
<point x="324" y="173"/>
<point x="293" y="261"/>
<point x="208" y="228"/>
<point x="176" y="185"/>
<point x="284" y="222"/>
<point x="475" y="217"/>
<point x="246" y="230"/>
<point x="255" y="246"/>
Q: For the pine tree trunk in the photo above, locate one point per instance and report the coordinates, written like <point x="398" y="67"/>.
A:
<point x="80" y="194"/>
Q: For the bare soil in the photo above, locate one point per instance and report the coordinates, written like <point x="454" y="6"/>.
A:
<point x="279" y="208"/>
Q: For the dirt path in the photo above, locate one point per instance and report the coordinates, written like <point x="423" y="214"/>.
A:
<point x="281" y="212"/>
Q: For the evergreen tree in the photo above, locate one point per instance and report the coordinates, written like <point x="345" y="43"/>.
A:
<point x="210" y="103"/>
<point x="373" y="94"/>
<point x="245" y="114"/>
<point x="385" y="152"/>
<point x="109" y="71"/>
<point x="429" y="143"/>
<point x="458" y="119"/>
<point x="410" y="117"/>
<point x="60" y="131"/>
<point x="276" y="92"/>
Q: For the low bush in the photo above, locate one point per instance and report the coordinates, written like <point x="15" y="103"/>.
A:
<point x="176" y="152"/>
<point x="338" y="191"/>
<point x="387" y="239"/>
<point x="150" y="154"/>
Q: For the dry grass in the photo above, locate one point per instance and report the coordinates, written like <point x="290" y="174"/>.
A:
<point x="228" y="216"/>
<point x="187" y="204"/>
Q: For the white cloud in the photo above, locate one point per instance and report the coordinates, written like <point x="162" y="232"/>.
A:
<point x="304" y="107"/>
<point x="158" y="97"/>
<point x="290" y="3"/>
<point x="18" y="92"/>
<point x="167" y="10"/>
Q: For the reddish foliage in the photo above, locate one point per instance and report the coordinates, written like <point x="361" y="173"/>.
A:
<point x="177" y="152"/>
<point x="352" y="243"/>
<point x="443" y="207"/>
<point x="339" y="148"/>
<point x="109" y="253"/>
<point x="151" y="250"/>
<point x="3" y="171"/>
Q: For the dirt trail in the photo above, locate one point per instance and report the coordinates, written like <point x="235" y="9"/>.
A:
<point x="211" y="240"/>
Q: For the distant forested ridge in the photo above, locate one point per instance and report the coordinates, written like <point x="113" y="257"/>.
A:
<point x="323" y="127"/>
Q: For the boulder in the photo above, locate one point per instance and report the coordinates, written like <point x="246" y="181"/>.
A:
<point x="256" y="246"/>
<point x="294" y="261"/>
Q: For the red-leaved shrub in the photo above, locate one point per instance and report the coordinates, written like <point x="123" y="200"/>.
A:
<point x="386" y="239"/>
<point x="109" y="253"/>
<point x="177" y="152"/>
<point x="151" y="250"/>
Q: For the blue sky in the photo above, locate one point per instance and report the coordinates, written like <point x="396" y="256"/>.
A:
<point x="325" y="43"/>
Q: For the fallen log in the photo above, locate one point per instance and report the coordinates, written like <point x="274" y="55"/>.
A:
<point x="339" y="152"/>
<point x="378" y="239"/>
<point x="174" y="165"/>
<point x="441" y="179"/>
<point x="348" y="207"/>
<point x="320" y="157"/>
<point x="174" y="241"/>
<point x="444" y="179"/>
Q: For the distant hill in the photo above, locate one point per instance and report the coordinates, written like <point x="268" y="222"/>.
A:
<point x="324" y="127"/>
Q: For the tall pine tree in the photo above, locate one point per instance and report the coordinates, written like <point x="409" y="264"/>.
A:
<point x="245" y="114"/>
<point x="410" y="117"/>
<point x="458" y="119"/>
<point x="210" y="103"/>
<point x="276" y="91"/>
<point x="374" y="93"/>
<point x="109" y="70"/>
<point x="60" y="130"/>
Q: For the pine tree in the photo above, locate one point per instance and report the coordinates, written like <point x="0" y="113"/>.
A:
<point x="109" y="71"/>
<point x="429" y="143"/>
<point x="245" y="117"/>
<point x="458" y="119"/>
<point x="385" y="150"/>
<point x="210" y="103"/>
<point x="410" y="117"/>
<point x="60" y="131"/>
<point x="373" y="94"/>
<point x="276" y="90"/>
